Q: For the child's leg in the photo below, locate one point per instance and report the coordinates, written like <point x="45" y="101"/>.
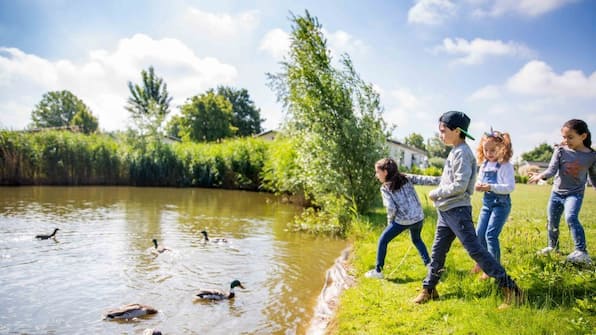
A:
<point x="443" y="239"/>
<point x="390" y="232"/>
<point x="496" y="222"/>
<point x="483" y="218"/>
<point x="554" y="210"/>
<point x="415" y="230"/>
<point x="573" y="204"/>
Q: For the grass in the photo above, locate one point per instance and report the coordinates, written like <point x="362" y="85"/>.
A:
<point x="561" y="296"/>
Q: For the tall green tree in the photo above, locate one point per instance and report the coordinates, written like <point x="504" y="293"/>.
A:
<point x="206" y="117"/>
<point x="245" y="115"/>
<point x="149" y="102"/>
<point x="416" y="140"/>
<point x="436" y="148"/>
<point x="58" y="109"/>
<point x="542" y="153"/>
<point x="335" y="119"/>
<point x="85" y="121"/>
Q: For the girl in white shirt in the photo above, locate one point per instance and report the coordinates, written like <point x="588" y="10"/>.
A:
<point x="496" y="178"/>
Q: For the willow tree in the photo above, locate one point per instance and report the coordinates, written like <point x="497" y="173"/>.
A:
<point x="334" y="117"/>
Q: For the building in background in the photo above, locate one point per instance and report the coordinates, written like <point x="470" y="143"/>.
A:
<point x="403" y="154"/>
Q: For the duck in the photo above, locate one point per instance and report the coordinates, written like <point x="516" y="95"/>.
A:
<point x="159" y="248"/>
<point x="151" y="331"/>
<point x="215" y="240"/>
<point x="45" y="237"/>
<point x="129" y="311"/>
<point x="216" y="294"/>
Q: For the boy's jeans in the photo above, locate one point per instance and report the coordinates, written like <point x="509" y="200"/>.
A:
<point x="457" y="222"/>
<point x="571" y="204"/>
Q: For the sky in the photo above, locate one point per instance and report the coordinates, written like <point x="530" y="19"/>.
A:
<point x="518" y="66"/>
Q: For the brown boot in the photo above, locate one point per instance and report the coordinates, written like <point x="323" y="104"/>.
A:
<point x="425" y="295"/>
<point x="511" y="296"/>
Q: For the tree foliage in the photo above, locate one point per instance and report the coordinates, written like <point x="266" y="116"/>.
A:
<point x="542" y="153"/>
<point x="436" y="148"/>
<point x="149" y="102"/>
<point x="206" y="117"/>
<point x="335" y="118"/>
<point x="416" y="140"/>
<point x="246" y="117"/>
<point x="60" y="109"/>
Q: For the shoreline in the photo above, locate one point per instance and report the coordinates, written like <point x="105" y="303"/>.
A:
<point x="337" y="279"/>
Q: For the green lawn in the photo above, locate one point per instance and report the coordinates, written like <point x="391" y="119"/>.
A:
<point x="561" y="297"/>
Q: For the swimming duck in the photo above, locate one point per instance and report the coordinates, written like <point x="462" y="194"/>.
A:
<point x="159" y="248"/>
<point x="215" y="240"/>
<point x="129" y="311"/>
<point x="150" y="331"/>
<point x="45" y="237"/>
<point x="215" y="294"/>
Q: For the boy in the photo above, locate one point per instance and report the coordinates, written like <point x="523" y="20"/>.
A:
<point x="454" y="212"/>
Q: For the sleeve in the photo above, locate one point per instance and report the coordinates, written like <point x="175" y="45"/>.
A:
<point x="462" y="173"/>
<point x="592" y="174"/>
<point x="553" y="166"/>
<point x="505" y="180"/>
<point x="423" y="180"/>
<point x="389" y="204"/>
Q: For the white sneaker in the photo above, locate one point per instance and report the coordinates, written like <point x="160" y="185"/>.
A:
<point x="546" y="251"/>
<point x="374" y="274"/>
<point x="579" y="257"/>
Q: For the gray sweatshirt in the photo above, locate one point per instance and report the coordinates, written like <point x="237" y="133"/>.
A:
<point x="571" y="169"/>
<point x="403" y="205"/>
<point x="456" y="185"/>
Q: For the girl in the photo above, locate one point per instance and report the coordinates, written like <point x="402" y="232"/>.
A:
<point x="496" y="178"/>
<point x="403" y="212"/>
<point x="572" y="163"/>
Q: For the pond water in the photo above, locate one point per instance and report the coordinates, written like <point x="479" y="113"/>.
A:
<point x="102" y="258"/>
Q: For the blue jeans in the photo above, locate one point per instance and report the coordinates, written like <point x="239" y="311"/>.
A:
<point x="493" y="215"/>
<point x="394" y="229"/>
<point x="457" y="222"/>
<point x="571" y="204"/>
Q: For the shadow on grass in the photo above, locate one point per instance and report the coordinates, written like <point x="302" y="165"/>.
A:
<point x="403" y="279"/>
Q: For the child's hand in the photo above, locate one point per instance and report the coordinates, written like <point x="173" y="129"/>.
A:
<point x="432" y="196"/>
<point x="482" y="187"/>
<point x="534" y="178"/>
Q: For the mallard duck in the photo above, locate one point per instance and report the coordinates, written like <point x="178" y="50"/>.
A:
<point x="215" y="294"/>
<point x="150" y="331"/>
<point x="129" y="311"/>
<point x="159" y="248"/>
<point x="45" y="237"/>
<point x="215" y="240"/>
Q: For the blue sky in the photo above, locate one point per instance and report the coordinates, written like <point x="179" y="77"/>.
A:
<point x="521" y="66"/>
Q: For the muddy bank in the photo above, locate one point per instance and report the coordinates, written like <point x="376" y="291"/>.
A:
<point x="337" y="279"/>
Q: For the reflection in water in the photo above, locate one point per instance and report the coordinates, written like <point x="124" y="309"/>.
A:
<point x="102" y="258"/>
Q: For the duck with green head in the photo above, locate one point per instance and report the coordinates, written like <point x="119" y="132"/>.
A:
<point x="45" y="237"/>
<point x="213" y="240"/>
<point x="159" y="248"/>
<point x="216" y="294"/>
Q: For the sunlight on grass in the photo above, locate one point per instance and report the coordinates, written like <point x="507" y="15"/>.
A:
<point x="561" y="298"/>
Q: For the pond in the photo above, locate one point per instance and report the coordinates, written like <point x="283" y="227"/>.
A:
<point x="102" y="257"/>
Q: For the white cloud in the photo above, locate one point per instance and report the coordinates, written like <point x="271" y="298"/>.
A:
<point x="538" y="78"/>
<point x="476" y="50"/>
<point x="276" y="42"/>
<point x="221" y="24"/>
<point x="431" y="11"/>
<point x="531" y="8"/>
<point x="101" y="80"/>
<point x="342" y="42"/>
<point x="489" y="92"/>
